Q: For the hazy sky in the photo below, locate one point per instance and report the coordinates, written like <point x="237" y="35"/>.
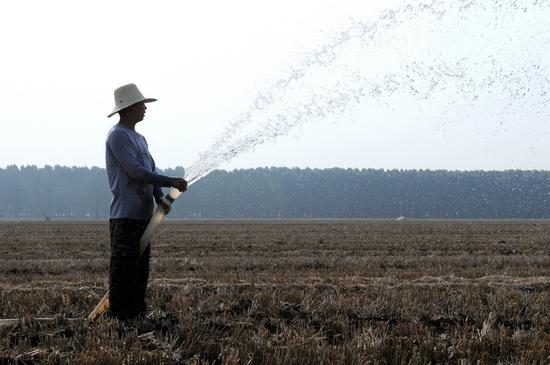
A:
<point x="207" y="61"/>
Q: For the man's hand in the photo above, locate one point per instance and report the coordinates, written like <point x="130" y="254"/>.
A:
<point x="180" y="184"/>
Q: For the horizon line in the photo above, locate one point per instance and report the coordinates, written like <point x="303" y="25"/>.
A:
<point x="290" y="168"/>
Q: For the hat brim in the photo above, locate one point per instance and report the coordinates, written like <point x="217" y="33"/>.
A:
<point x="117" y="109"/>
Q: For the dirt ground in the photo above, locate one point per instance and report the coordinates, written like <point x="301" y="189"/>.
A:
<point x="285" y="292"/>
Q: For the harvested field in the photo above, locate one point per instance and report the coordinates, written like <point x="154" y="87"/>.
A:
<point x="285" y="292"/>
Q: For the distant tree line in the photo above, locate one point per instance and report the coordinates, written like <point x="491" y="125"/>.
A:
<point x="82" y="192"/>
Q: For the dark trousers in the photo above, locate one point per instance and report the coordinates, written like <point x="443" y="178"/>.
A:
<point x="128" y="272"/>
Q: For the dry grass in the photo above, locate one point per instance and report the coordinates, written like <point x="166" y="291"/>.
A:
<point x="298" y="292"/>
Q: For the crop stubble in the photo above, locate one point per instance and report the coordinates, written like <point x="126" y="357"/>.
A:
<point x="286" y="292"/>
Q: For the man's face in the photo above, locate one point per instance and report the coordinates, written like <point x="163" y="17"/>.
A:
<point x="136" y="112"/>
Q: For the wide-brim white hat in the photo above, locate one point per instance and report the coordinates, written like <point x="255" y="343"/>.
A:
<point x="126" y="96"/>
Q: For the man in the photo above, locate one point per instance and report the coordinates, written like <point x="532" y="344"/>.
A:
<point x="134" y="184"/>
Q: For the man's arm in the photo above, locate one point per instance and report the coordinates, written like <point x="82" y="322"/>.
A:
<point x="121" y="147"/>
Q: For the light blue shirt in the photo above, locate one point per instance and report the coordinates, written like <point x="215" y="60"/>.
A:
<point x="131" y="172"/>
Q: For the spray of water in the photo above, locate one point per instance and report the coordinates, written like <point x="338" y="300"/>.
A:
<point x="453" y="52"/>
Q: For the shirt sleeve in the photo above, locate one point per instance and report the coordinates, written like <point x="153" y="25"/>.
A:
<point x="122" y="149"/>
